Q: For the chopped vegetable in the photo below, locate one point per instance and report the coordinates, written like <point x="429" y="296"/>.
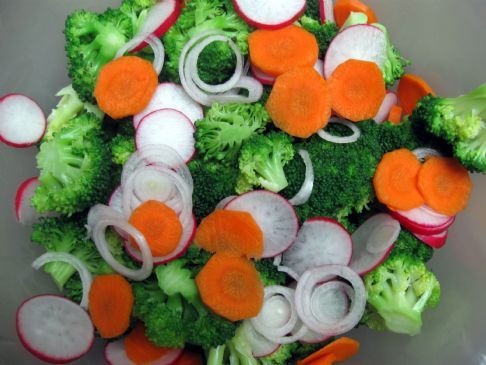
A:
<point x="139" y="349"/>
<point x="343" y="8"/>
<point x="324" y="33"/>
<point x="341" y="349"/>
<point x="411" y="89"/>
<point x="395" y="115"/>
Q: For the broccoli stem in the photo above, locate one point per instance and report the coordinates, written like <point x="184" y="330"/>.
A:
<point x="273" y="175"/>
<point x="216" y="355"/>
<point x="60" y="272"/>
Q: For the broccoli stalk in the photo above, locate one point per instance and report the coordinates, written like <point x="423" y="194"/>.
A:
<point x="459" y="121"/>
<point x="238" y="350"/>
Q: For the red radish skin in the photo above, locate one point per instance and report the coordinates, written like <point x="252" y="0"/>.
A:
<point x="390" y="99"/>
<point x="37" y="116"/>
<point x="422" y="221"/>
<point x="24" y="193"/>
<point x="267" y="16"/>
<point x="435" y="241"/>
<point x="266" y="79"/>
<point x="326" y="9"/>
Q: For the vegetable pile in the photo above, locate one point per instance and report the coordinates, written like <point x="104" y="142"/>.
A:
<point x="235" y="182"/>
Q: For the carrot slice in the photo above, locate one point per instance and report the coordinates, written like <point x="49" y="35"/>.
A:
<point x="110" y="304"/>
<point x="230" y="231"/>
<point x="343" y="349"/>
<point x="395" y="180"/>
<point x="159" y="224"/>
<point x="343" y="9"/>
<point x="125" y="86"/>
<point x="190" y="358"/>
<point x="277" y="51"/>
<point x="324" y="360"/>
<point x="357" y="89"/>
<point x="411" y="89"/>
<point x="395" y="115"/>
<point x="445" y="185"/>
<point x="139" y="349"/>
<point x="300" y="102"/>
<point x="231" y="286"/>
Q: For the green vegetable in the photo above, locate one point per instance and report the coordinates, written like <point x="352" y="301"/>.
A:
<point x="261" y="162"/>
<point x="324" y="33"/>
<point x="459" y="121"/>
<point x="408" y="244"/>
<point x="400" y="289"/>
<point x="75" y="168"/>
<point x="282" y="356"/>
<point x="136" y="11"/>
<point x="220" y="135"/>
<point x="269" y="273"/>
<point x="355" y="18"/>
<point x="237" y="350"/>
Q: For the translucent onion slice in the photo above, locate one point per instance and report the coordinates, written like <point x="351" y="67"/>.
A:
<point x="153" y="41"/>
<point x="341" y="140"/>
<point x="424" y="152"/>
<point x="305" y="190"/>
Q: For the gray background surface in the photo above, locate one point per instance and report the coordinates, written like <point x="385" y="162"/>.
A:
<point x="446" y="39"/>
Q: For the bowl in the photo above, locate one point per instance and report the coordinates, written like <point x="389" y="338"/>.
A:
<point x="445" y="40"/>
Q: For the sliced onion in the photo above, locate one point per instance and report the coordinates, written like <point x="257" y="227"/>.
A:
<point x="277" y="260"/>
<point x="305" y="190"/>
<point x="80" y="266"/>
<point x="292" y="337"/>
<point x="307" y="285"/>
<point x="252" y="85"/>
<point x="287" y="270"/>
<point x="336" y="139"/>
<point x="424" y="152"/>
<point x="324" y="298"/>
<point x="99" y="218"/>
<point x="153" y="41"/>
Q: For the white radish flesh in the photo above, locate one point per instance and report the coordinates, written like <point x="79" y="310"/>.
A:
<point x="386" y="105"/>
<point x="24" y="212"/>
<point x="115" y="354"/>
<point x="269" y="14"/>
<point x="326" y="8"/>
<point x="423" y="220"/>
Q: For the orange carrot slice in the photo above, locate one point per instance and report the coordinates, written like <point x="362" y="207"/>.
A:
<point x="395" y="180"/>
<point x="357" y="89"/>
<point x="445" y="185"/>
<point x="343" y="9"/>
<point x="343" y="349"/>
<point x="231" y="286"/>
<point x="300" y="103"/>
<point x="324" y="360"/>
<point x="277" y="51"/>
<point x="411" y="89"/>
<point x="395" y="115"/>
<point x="125" y="86"/>
<point x="230" y="231"/>
<point x="110" y="304"/>
<point x="139" y="349"/>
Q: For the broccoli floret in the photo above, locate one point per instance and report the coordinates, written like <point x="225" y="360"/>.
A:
<point x="216" y="63"/>
<point x="282" y="356"/>
<point x="220" y="135"/>
<point x="313" y="10"/>
<point x="121" y="147"/>
<point x="137" y="11"/>
<point x="399" y="290"/>
<point x="269" y="274"/>
<point x="75" y="168"/>
<point x="408" y="244"/>
<point x="324" y="33"/>
<point x="261" y="162"/>
<point x="461" y="122"/>
<point x="196" y="258"/>
<point x="237" y="350"/>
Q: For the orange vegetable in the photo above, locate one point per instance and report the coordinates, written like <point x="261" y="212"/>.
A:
<point x="357" y="89"/>
<point x="343" y="8"/>
<point x="139" y="349"/>
<point x="411" y="89"/>
<point x="300" y="102"/>
<point x="159" y="224"/>
<point x="277" y="51"/>
<point x="395" y="115"/>
<point x="342" y="349"/>
<point x="230" y="231"/>
<point x="324" y="360"/>
<point x="231" y="286"/>
<point x="190" y="358"/>
<point x="395" y="180"/>
<point x="125" y="86"/>
<point x="445" y="185"/>
<point x="110" y="304"/>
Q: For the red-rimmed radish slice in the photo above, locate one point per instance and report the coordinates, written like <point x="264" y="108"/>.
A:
<point x="321" y="241"/>
<point x="373" y="242"/>
<point x="269" y="14"/>
<point x="260" y="346"/>
<point x="168" y="127"/>
<point x="423" y="220"/>
<point x="115" y="354"/>
<point x="386" y="105"/>
<point x="171" y="96"/>
<point x="274" y="215"/>
<point x="159" y="19"/>
<point x="326" y="8"/>
<point x="54" y="329"/>
<point x="261" y="76"/>
<point x="24" y="212"/>
<point x="436" y="240"/>
<point x="361" y="42"/>
<point x="224" y="202"/>
<point x="22" y="121"/>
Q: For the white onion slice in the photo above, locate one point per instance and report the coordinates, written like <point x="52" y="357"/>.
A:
<point x="424" y="152"/>
<point x="307" y="285"/>
<point x="330" y="300"/>
<point x="81" y="268"/>
<point x="287" y="270"/>
<point x="254" y="87"/>
<point x="277" y="260"/>
<point x="305" y="190"/>
<point x="336" y="139"/>
<point x="153" y="41"/>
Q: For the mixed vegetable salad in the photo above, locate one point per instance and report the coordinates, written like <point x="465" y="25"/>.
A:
<point x="235" y="182"/>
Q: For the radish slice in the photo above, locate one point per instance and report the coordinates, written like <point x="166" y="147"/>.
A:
<point x="171" y="96"/>
<point x="168" y="127"/>
<point x="224" y="202"/>
<point x="423" y="220"/>
<point x="260" y="346"/>
<point x="436" y="240"/>
<point x="360" y="42"/>
<point x="337" y="139"/>
<point x="319" y="67"/>
<point x="159" y="20"/>
<point x="424" y="152"/>
<point x="115" y="354"/>
<point x="373" y="242"/>
<point x="54" y="329"/>
<point x="274" y="215"/>
<point x="321" y="241"/>
<point x="24" y="212"/>
<point x="305" y="190"/>
<point x="386" y="105"/>
<point x="22" y="121"/>
<point x="269" y="14"/>
<point x="326" y="8"/>
<point x="261" y="76"/>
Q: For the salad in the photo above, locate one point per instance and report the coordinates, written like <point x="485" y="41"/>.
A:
<point x="235" y="182"/>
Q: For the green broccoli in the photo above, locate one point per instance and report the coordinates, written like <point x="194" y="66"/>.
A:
<point x="137" y="11"/>
<point x="75" y="168"/>
<point x="400" y="289"/>
<point x="121" y="147"/>
<point x="313" y="10"/>
<point x="408" y="244"/>
<point x="269" y="273"/>
<point x="282" y="356"/>
<point x="196" y="258"/>
<point x="261" y="162"/>
<point x="324" y="33"/>
<point x="461" y="122"/>
<point x="237" y="350"/>
<point x="220" y="135"/>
